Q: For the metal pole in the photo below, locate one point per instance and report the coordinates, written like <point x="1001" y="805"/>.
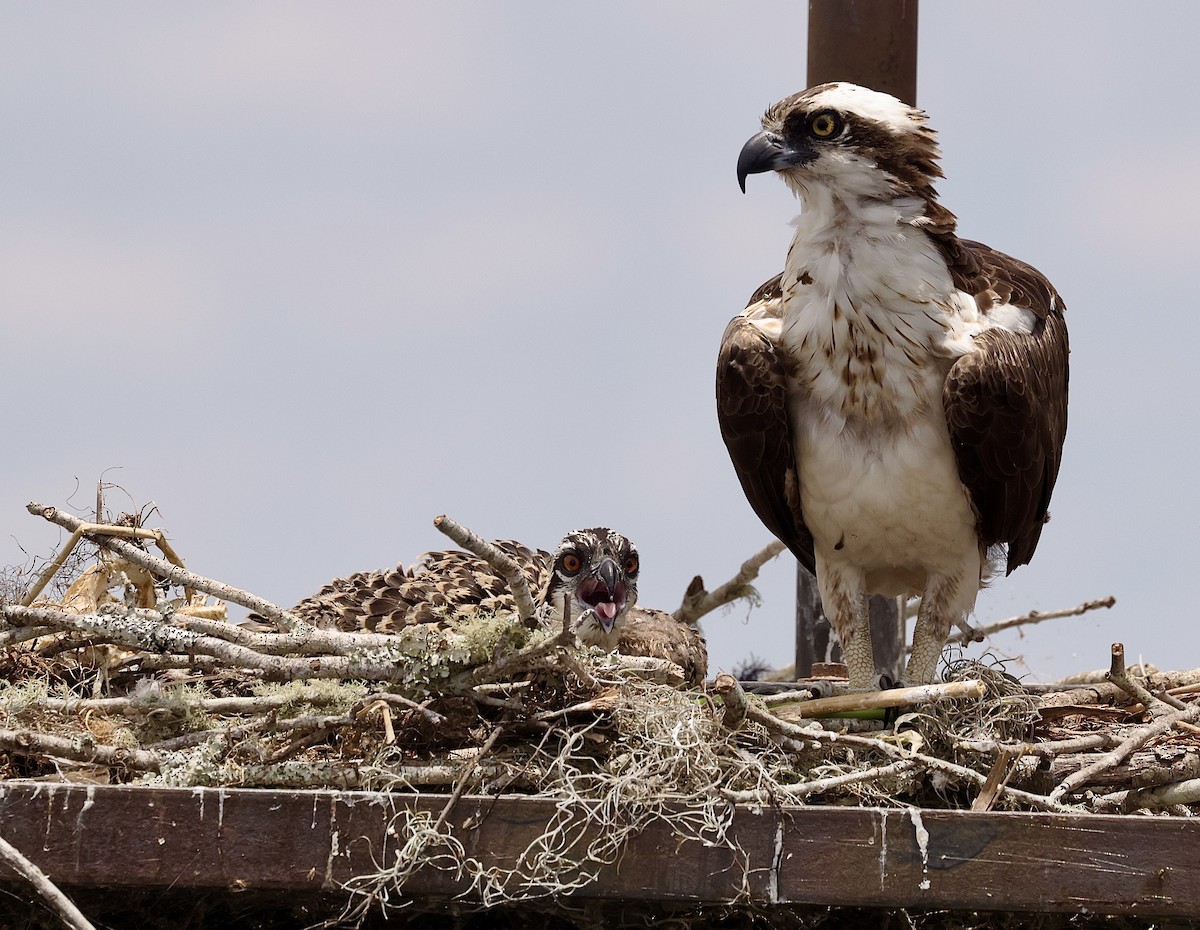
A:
<point x="868" y="42"/>
<point x="872" y="43"/>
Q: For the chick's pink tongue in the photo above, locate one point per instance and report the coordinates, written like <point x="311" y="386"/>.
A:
<point x="606" y="609"/>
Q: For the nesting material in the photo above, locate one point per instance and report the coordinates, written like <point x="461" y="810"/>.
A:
<point x="140" y="690"/>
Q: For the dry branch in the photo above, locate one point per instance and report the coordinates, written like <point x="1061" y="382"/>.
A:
<point x="697" y="602"/>
<point x="66" y="910"/>
<point x="874" y="700"/>
<point x="1030" y="618"/>
<point x="1160" y="798"/>
<point x="801" y="790"/>
<point x="170" y="572"/>
<point x="1112" y="759"/>
<point x="142" y="633"/>
<point x="508" y="569"/>
<point x="1118" y="675"/>
<point x="29" y="743"/>
<point x="809" y="735"/>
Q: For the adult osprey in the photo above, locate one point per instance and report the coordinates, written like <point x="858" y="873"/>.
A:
<point x="895" y="402"/>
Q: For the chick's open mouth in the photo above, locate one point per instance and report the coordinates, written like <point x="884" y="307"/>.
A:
<point x="607" y="604"/>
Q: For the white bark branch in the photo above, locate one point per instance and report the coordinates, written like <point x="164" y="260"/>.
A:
<point x="509" y="570"/>
<point x="169" y="572"/>
<point x="697" y="602"/>
<point x="66" y="910"/>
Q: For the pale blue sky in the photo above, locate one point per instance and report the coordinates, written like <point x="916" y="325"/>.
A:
<point x="309" y="274"/>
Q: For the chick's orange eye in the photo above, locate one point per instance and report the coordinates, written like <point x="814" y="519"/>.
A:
<point x="572" y="563"/>
<point x="631" y="565"/>
<point x="825" y="125"/>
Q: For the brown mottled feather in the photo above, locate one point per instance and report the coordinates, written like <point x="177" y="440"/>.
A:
<point x="439" y="588"/>
<point x="1006" y="403"/>
<point x="648" y="632"/>
<point x="752" y="411"/>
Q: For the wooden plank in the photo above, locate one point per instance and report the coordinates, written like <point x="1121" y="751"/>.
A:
<point x="858" y="857"/>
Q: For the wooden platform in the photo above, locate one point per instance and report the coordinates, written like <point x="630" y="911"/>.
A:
<point x="312" y="840"/>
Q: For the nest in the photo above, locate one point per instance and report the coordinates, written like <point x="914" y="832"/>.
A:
<point x="132" y="685"/>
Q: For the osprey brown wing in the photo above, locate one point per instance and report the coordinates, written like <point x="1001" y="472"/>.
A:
<point x="1006" y="403"/>
<point x="752" y="412"/>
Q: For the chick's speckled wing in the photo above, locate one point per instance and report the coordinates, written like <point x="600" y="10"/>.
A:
<point x="439" y="588"/>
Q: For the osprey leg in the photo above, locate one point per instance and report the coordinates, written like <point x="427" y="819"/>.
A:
<point x="846" y="607"/>
<point x="929" y="636"/>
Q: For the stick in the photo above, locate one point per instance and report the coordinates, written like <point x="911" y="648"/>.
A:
<point x="159" y="636"/>
<point x="1120" y="677"/>
<point x="509" y="570"/>
<point x="142" y="633"/>
<point x="735" y="700"/>
<point x="998" y="777"/>
<point x="175" y="574"/>
<point x="808" y="735"/>
<point x="153" y="702"/>
<point x="67" y="912"/>
<point x="872" y="700"/>
<point x="29" y="743"/>
<point x="400" y="700"/>
<point x="697" y="602"/>
<point x="1048" y="749"/>
<point x="23" y="634"/>
<point x="1034" y="616"/>
<point x="1181" y="792"/>
<point x="460" y="784"/>
<point x="1134" y="741"/>
<point x="820" y="785"/>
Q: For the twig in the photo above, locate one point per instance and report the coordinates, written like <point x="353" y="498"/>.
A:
<point x="820" y="785"/>
<point x="873" y="700"/>
<point x="305" y="725"/>
<point x="141" y="633"/>
<point x="172" y="573"/>
<point x="1047" y="750"/>
<point x="460" y="784"/>
<point x="697" y="602"/>
<point x="575" y="667"/>
<point x="23" y="634"/>
<point x="813" y="734"/>
<point x="1028" y="619"/>
<point x="998" y="777"/>
<point x="734" y="697"/>
<point x="1134" y="741"/>
<point x="165" y="700"/>
<point x="509" y="570"/>
<point x="308" y="640"/>
<point x="399" y="700"/>
<point x="311" y="641"/>
<point x="310" y="730"/>
<point x="1180" y="792"/>
<point x="29" y="743"/>
<point x="1120" y="677"/>
<point x="66" y="910"/>
<point x="601" y="703"/>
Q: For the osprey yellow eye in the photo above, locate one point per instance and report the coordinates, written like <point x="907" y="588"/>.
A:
<point x="825" y="125"/>
<point x="571" y="563"/>
<point x="631" y="565"/>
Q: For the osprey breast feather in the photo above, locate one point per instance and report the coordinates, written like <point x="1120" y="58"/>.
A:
<point x="895" y="401"/>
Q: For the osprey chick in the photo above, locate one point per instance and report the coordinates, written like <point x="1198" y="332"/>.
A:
<point x="895" y="402"/>
<point x="596" y="568"/>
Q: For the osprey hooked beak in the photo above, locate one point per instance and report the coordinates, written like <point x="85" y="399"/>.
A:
<point x="604" y="593"/>
<point x="767" y="151"/>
